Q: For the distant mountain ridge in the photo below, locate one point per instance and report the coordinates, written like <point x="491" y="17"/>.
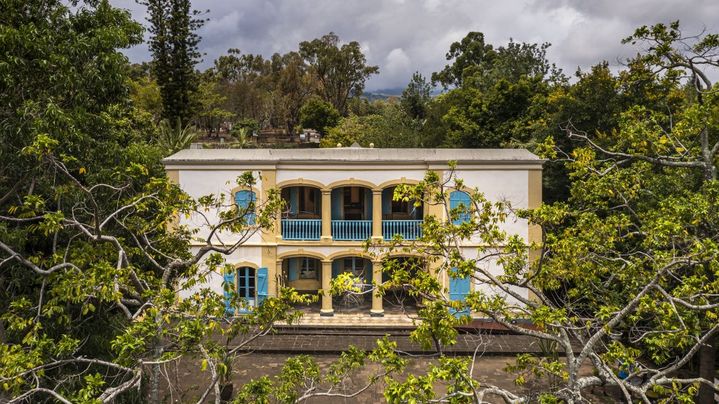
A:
<point x="385" y="93"/>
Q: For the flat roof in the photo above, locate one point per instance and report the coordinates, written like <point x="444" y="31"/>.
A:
<point x="350" y="155"/>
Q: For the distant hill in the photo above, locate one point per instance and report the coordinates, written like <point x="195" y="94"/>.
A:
<point x="384" y="93"/>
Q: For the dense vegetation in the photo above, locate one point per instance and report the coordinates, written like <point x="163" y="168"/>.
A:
<point x="91" y="259"/>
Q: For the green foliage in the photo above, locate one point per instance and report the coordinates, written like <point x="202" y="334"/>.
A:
<point x="341" y="71"/>
<point x="173" y="44"/>
<point x="301" y="377"/>
<point x="481" y="64"/>
<point x="389" y="127"/>
<point x="173" y="138"/>
<point x="211" y="113"/>
<point x="146" y="97"/>
<point x="319" y="115"/>
<point x="416" y="96"/>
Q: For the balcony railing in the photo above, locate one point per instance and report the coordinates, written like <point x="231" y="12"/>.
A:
<point x="301" y="229"/>
<point x="408" y="229"/>
<point x="351" y="229"/>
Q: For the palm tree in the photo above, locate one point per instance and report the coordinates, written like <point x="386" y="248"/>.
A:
<point x="176" y="137"/>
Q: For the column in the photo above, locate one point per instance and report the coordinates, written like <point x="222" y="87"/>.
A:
<point x="376" y="214"/>
<point x="326" y="296"/>
<point x="377" y="309"/>
<point x="269" y="180"/>
<point x="279" y="278"/>
<point x="326" y="215"/>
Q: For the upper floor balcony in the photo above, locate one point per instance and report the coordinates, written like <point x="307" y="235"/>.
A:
<point x="348" y="213"/>
<point x="302" y="218"/>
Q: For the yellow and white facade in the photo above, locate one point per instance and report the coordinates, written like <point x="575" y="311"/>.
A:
<point x="337" y="198"/>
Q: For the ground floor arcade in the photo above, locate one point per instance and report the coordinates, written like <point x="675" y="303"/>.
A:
<point x="313" y="273"/>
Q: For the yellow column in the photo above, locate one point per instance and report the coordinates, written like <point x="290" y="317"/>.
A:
<point x="437" y="209"/>
<point x="377" y="309"/>
<point x="174" y="177"/>
<point x="326" y="215"/>
<point x="276" y="277"/>
<point x="326" y="296"/>
<point x="534" y="232"/>
<point x="269" y="181"/>
<point x="377" y="214"/>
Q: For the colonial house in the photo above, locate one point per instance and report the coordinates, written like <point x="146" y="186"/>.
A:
<point x="336" y="199"/>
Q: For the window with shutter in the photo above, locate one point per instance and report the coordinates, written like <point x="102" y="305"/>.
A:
<point x="246" y="203"/>
<point x="459" y="200"/>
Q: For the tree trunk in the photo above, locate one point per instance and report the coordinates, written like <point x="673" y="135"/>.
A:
<point x="707" y="370"/>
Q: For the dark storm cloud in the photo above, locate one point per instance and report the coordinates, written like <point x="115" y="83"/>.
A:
<point x="403" y="36"/>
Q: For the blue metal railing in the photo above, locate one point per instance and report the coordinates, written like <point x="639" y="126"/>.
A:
<point x="301" y="229"/>
<point x="351" y="229"/>
<point x="409" y="229"/>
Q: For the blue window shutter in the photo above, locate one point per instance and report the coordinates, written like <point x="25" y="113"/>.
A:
<point x="457" y="199"/>
<point x="337" y="203"/>
<point x="294" y="200"/>
<point x="368" y="203"/>
<point x="243" y="200"/>
<point x="228" y="285"/>
<point x="368" y="271"/>
<point x="262" y="282"/>
<point x="387" y="195"/>
<point x="458" y="290"/>
<point x="293" y="270"/>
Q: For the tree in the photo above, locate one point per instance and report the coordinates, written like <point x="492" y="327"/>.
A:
<point x="474" y="58"/>
<point x="493" y="94"/>
<point x="319" y="115"/>
<point x="173" y="44"/>
<point x="90" y="254"/>
<point x="340" y="70"/>
<point x="173" y="138"/>
<point x="295" y="85"/>
<point x="416" y="96"/>
<point x="389" y="127"/>
<point x="145" y="96"/>
<point x="211" y="113"/>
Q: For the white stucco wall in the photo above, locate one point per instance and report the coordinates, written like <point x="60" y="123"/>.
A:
<point x="243" y="255"/>
<point x="491" y="266"/>
<point x="198" y="183"/>
<point x="498" y="185"/>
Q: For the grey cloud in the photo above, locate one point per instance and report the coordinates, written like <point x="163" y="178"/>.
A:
<point x="403" y="36"/>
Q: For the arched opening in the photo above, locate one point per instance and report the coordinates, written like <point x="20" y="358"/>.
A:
<point x="400" y="217"/>
<point x="351" y="213"/>
<point x="401" y="272"/>
<point x="302" y="216"/>
<point x="304" y="274"/>
<point x="359" y="298"/>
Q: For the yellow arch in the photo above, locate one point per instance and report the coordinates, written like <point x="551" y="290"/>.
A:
<point x="392" y="183"/>
<point x="300" y="182"/>
<point x="247" y="264"/>
<point x="352" y="182"/>
<point x="403" y="254"/>
<point x="300" y="253"/>
<point x="349" y="253"/>
<point x="253" y="188"/>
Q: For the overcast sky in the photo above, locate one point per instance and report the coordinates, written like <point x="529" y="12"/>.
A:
<point x="403" y="36"/>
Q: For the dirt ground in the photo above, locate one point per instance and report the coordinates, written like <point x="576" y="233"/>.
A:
<point x="190" y="382"/>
